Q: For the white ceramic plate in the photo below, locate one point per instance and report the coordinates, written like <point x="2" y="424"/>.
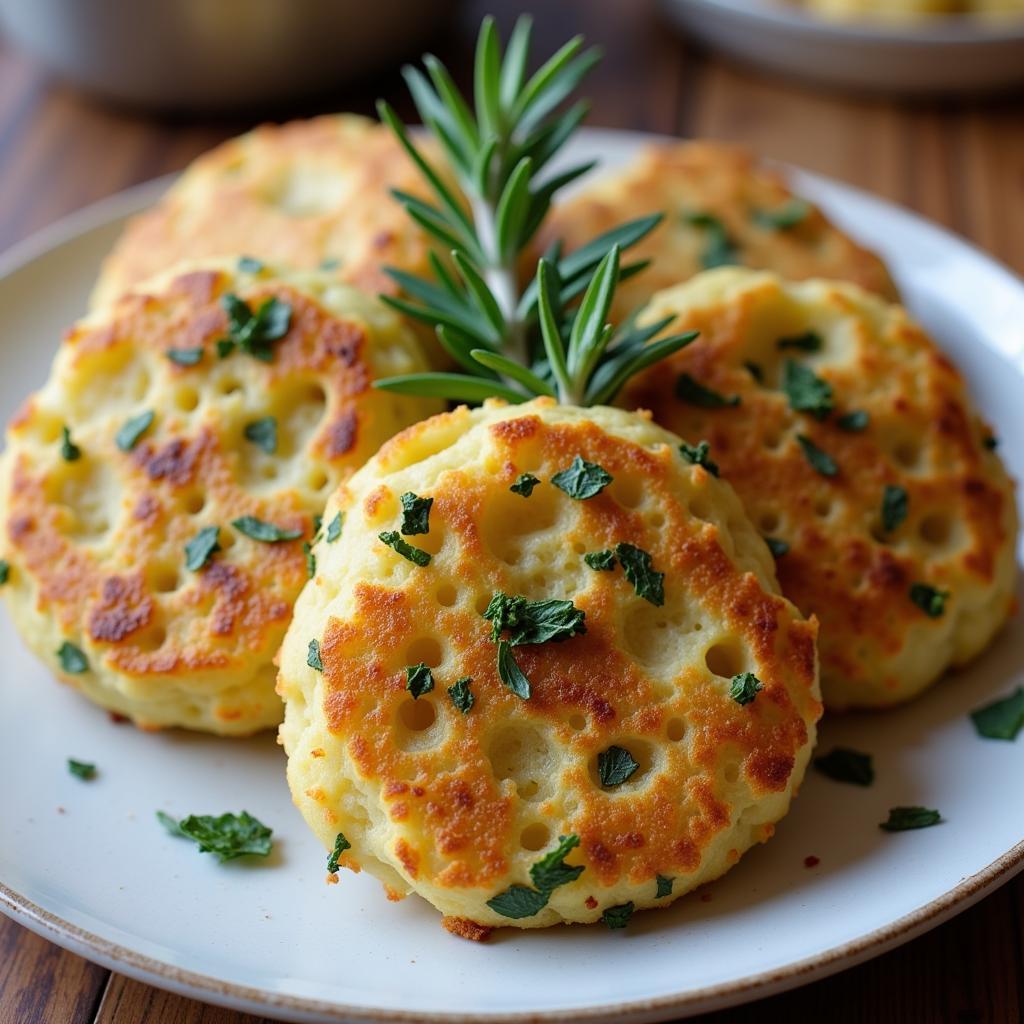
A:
<point x="87" y="865"/>
<point x="941" y="55"/>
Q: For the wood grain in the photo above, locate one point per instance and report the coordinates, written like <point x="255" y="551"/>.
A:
<point x="958" y="162"/>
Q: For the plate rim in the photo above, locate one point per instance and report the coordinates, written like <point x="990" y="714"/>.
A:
<point x="142" y="967"/>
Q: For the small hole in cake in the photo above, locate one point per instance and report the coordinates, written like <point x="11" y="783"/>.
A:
<point x="317" y="479"/>
<point x="935" y="529"/>
<point x="769" y="522"/>
<point x="535" y="837"/>
<point x="186" y="399"/>
<point x="228" y="385"/>
<point x="417" y="715"/>
<point x="907" y="453"/>
<point x="724" y="660"/>
<point x="446" y="595"/>
<point x="628" y="491"/>
<point x="732" y="772"/>
<point x="675" y="730"/>
<point x="426" y="650"/>
<point x="194" y="503"/>
<point x="823" y="507"/>
<point x="578" y="721"/>
<point x="164" y="579"/>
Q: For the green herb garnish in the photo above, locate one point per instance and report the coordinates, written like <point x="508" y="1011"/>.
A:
<point x="902" y="819"/>
<point x="618" y="916"/>
<point x="990" y="441"/>
<point x="415" y="514"/>
<point x="777" y="546"/>
<point x="664" y="886"/>
<point x="81" y="769"/>
<point x="719" y="249"/>
<point x="249" y="265"/>
<point x="806" y="391"/>
<point x="931" y="601"/>
<point x="341" y="844"/>
<point x="5" y="571"/>
<point x="533" y="622"/>
<point x="313" y="658"/>
<point x="600" y="561"/>
<point x="854" y="422"/>
<point x="418" y="680"/>
<point x="784" y="217"/>
<point x="895" y="505"/>
<point x="334" y="528"/>
<point x="510" y="673"/>
<point x="693" y="392"/>
<point x="518" y="901"/>
<point x="228" y="836"/>
<point x="72" y="660"/>
<point x="393" y="539"/>
<point x="128" y="436"/>
<point x="69" y="451"/>
<point x="809" y="341"/>
<point x="581" y="479"/>
<point x="821" y="462"/>
<point x="615" y="765"/>
<point x="1003" y="719"/>
<point x="185" y="356"/>
<point x="845" y="765"/>
<point x="262" y="433"/>
<point x="461" y="695"/>
<point x="524" y="484"/>
<point x="254" y="333"/>
<point x="647" y="582"/>
<point x="199" y="549"/>
<point x="259" y="529"/>
<point x="307" y="550"/>
<point x="745" y="687"/>
<point x="551" y="871"/>
<point x="699" y="456"/>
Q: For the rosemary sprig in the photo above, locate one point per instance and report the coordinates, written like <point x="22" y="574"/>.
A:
<point x="514" y="345"/>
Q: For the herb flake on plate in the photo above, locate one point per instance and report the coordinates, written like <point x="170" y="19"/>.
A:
<point x="341" y="844"/>
<point x="903" y="819"/>
<point x="84" y="770"/>
<point x="227" y="836"/>
<point x="842" y="764"/>
<point x="1002" y="719"/>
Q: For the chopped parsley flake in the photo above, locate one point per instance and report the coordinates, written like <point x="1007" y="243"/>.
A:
<point x="128" y="436"/>
<point x="418" y="680"/>
<point x="931" y="601"/>
<point x="902" y="819"/>
<point x="227" y="836"/>
<point x="582" y="480"/>
<point x="647" y="582"/>
<point x="263" y="531"/>
<point x="854" y="422"/>
<point x="334" y="528"/>
<point x="461" y="695"/>
<point x="81" y="769"/>
<point x="199" y="549"/>
<point x="551" y="871"/>
<point x="600" y="561"/>
<point x="533" y="622"/>
<point x="313" y="658"/>
<point x="69" y="451"/>
<point x="745" y="687"/>
<point x="341" y="844"/>
<point x="393" y="539"/>
<point x="415" y="514"/>
<point x="5" y="571"/>
<point x="699" y="456"/>
<point x="249" y="265"/>
<point x="784" y="217"/>
<point x="262" y="433"/>
<point x="664" y="886"/>
<point x="719" y="249"/>
<point x="806" y="391"/>
<point x="307" y="550"/>
<point x="72" y="660"/>
<point x="845" y="765"/>
<point x="693" y="392"/>
<point x="895" y="504"/>
<point x="615" y="765"/>
<point x="330" y="263"/>
<point x="1001" y="720"/>
<point x="524" y="484"/>
<point x="253" y="333"/>
<point x="777" y="547"/>
<point x="809" y="341"/>
<point x="618" y="916"/>
<point x="518" y="901"/>
<point x="185" y="356"/>
<point x="821" y="462"/>
<point x="991" y="442"/>
<point x="510" y="673"/>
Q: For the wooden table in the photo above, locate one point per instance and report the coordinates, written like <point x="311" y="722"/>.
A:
<point x="958" y="162"/>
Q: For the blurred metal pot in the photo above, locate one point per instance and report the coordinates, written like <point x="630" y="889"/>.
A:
<point x="203" y="54"/>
